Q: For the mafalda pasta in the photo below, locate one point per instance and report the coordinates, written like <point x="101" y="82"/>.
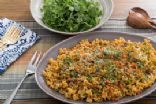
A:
<point x="101" y="70"/>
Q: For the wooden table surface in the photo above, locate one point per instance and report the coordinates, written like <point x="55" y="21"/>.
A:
<point x="19" y="10"/>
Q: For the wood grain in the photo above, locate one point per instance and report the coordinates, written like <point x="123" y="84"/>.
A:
<point x="15" y="9"/>
<point x="122" y="7"/>
<point x="19" y="9"/>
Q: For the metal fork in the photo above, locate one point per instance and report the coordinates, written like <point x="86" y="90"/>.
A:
<point x="32" y="66"/>
<point x="10" y="37"/>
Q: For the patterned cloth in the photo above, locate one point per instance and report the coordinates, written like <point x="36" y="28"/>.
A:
<point x="13" y="51"/>
<point x="29" y="89"/>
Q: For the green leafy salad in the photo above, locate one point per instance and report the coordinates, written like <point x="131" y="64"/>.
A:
<point x="71" y="15"/>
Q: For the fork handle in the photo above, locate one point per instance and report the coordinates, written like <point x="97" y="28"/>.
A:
<point x="10" y="98"/>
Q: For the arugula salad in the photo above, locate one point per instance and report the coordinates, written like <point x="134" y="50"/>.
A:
<point x="71" y="15"/>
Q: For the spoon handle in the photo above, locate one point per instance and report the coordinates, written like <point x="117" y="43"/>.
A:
<point x="152" y="24"/>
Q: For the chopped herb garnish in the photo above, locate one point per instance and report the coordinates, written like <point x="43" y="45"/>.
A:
<point x="129" y="55"/>
<point x="97" y="69"/>
<point x="140" y="65"/>
<point x="115" y="53"/>
<point x="96" y="91"/>
<point x="111" y="67"/>
<point x="103" y="84"/>
<point x="74" y="74"/>
<point x="106" y="52"/>
<point x="146" y="77"/>
<point x="89" y="78"/>
<point x="67" y="60"/>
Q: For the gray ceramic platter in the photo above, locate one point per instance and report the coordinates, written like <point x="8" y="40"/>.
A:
<point x="72" y="41"/>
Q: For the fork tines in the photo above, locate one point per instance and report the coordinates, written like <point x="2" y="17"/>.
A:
<point x="10" y="37"/>
<point x="36" y="58"/>
<point x="12" y="33"/>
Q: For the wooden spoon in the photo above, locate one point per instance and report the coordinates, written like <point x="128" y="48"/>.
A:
<point x="144" y="13"/>
<point x="139" y="18"/>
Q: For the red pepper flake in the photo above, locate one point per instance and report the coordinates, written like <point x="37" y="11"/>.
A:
<point x="133" y="65"/>
<point x="124" y="56"/>
<point x="130" y="70"/>
<point x="107" y="81"/>
<point x="111" y="56"/>
<point x="104" y="95"/>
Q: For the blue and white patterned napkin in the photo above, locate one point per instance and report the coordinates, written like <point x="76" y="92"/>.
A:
<point x="12" y="52"/>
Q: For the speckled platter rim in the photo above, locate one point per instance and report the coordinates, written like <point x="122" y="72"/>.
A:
<point x="72" y="41"/>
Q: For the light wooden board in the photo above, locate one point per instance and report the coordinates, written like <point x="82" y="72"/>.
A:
<point x="19" y="9"/>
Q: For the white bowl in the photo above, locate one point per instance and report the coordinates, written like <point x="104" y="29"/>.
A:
<point x="35" y="5"/>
